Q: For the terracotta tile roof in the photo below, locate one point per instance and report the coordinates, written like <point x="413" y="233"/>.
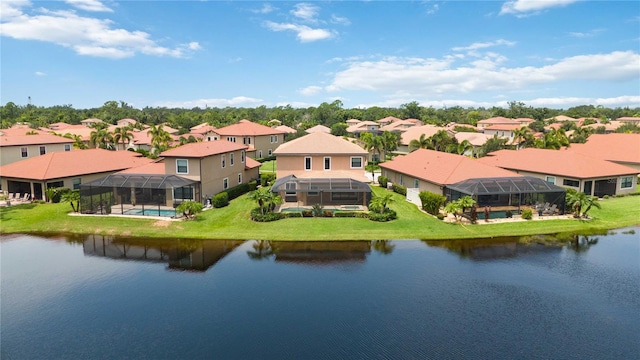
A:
<point x="442" y="168"/>
<point x="524" y="120"/>
<point x="415" y="121"/>
<point x="129" y="121"/>
<point x="352" y="121"/>
<point x="498" y="120"/>
<point x="610" y="126"/>
<point x="333" y="174"/>
<point x="249" y="163"/>
<point x="628" y="118"/>
<point x="475" y="139"/>
<point x="247" y="128"/>
<point x="38" y="139"/>
<point x="72" y="163"/>
<point x="318" y="128"/>
<point x="504" y="127"/>
<point x="319" y="143"/>
<point x="154" y="168"/>
<point x="21" y="130"/>
<point x="400" y="125"/>
<point x="286" y="129"/>
<point x="388" y="119"/>
<point x="414" y="133"/>
<point x="561" y="118"/>
<point x="613" y="147"/>
<point x="91" y="121"/>
<point x="555" y="162"/>
<point x="202" y="129"/>
<point x="203" y="149"/>
<point x="362" y="126"/>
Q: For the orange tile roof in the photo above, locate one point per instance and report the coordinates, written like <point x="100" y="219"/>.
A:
<point x="475" y="139"/>
<point x="318" y="128"/>
<point x="612" y="147"/>
<point x="38" y="139"/>
<point x="629" y="118"/>
<point x="388" y="119"/>
<point x="504" y="127"/>
<point x="21" y="130"/>
<point x="561" y="118"/>
<point x="497" y="120"/>
<point x="202" y="129"/>
<point x="287" y="129"/>
<point x="203" y="149"/>
<point x="556" y="162"/>
<point x="524" y="120"/>
<point x="154" y="168"/>
<point x="414" y="133"/>
<point x="400" y="125"/>
<point x="64" y="164"/>
<point x="333" y="174"/>
<point x="319" y="143"/>
<point x="249" y="163"/>
<point x="442" y="168"/>
<point x="247" y="128"/>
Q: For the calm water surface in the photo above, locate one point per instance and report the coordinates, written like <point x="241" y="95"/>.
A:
<point x="95" y="297"/>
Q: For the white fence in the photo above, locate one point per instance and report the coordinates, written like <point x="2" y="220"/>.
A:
<point x="413" y="196"/>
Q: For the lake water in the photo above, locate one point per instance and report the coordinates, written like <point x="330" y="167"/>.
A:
<point x="94" y="297"/>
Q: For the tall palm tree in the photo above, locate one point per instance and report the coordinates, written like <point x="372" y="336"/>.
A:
<point x="122" y="134"/>
<point x="262" y="197"/>
<point x="390" y="142"/>
<point x="420" y="143"/>
<point x="101" y="138"/>
<point x="523" y="137"/>
<point x="441" y="140"/>
<point x="460" y="148"/>
<point x="160" y="138"/>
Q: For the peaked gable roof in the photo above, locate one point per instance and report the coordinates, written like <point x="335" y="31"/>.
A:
<point x="286" y="129"/>
<point x="612" y="147"/>
<point x="498" y="120"/>
<point x="247" y="128"/>
<point x="64" y="164"/>
<point x="318" y="128"/>
<point x="443" y="168"/>
<point x="203" y="149"/>
<point x="556" y="162"/>
<point x="36" y="139"/>
<point x="414" y="133"/>
<point x="319" y="143"/>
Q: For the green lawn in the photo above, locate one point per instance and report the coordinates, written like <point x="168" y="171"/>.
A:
<point x="232" y="222"/>
<point x="269" y="166"/>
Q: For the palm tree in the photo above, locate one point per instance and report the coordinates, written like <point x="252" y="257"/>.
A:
<point x="580" y="203"/>
<point x="122" y="134"/>
<point x="263" y="196"/>
<point x="460" y="148"/>
<point x="390" y="142"/>
<point x="553" y="139"/>
<point x="372" y="143"/>
<point x="160" y="138"/>
<point x="380" y="202"/>
<point x="523" y="138"/>
<point x="441" y="140"/>
<point x="101" y="138"/>
<point x="421" y="143"/>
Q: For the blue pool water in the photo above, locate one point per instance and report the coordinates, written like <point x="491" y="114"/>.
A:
<point x="151" y="212"/>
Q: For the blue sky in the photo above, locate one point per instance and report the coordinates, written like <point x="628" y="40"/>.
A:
<point x="553" y="53"/>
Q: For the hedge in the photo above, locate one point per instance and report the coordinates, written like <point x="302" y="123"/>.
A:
<point x="402" y="190"/>
<point x="383" y="180"/>
<point x="267" y="178"/>
<point x="220" y="200"/>
<point x="431" y="202"/>
<point x="256" y="215"/>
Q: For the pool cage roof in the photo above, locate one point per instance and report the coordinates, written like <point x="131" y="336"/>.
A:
<point x="329" y="185"/>
<point x="505" y="185"/>
<point x="140" y="181"/>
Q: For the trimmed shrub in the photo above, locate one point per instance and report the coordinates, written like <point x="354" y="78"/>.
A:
<point x="402" y="190"/>
<point x="440" y="216"/>
<point x="220" y="200"/>
<point x="265" y="159"/>
<point x="267" y="179"/>
<point x="345" y="214"/>
<point x="388" y="215"/>
<point x="292" y="215"/>
<point x="605" y="197"/>
<point x="307" y="213"/>
<point x="257" y="216"/>
<point x="431" y="202"/>
<point x="527" y="214"/>
<point x="508" y="214"/>
<point x="383" y="180"/>
<point x="327" y="213"/>
<point x="253" y="184"/>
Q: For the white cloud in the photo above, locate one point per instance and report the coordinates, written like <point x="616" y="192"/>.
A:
<point x="85" y="35"/>
<point x="484" y="45"/>
<point x="265" y="9"/>
<point x="587" y="34"/>
<point x="310" y="90"/>
<point x="433" y="9"/>
<point x="89" y="5"/>
<point x="335" y="19"/>
<point x="238" y="101"/>
<point x="430" y="77"/>
<point x="305" y="11"/>
<point x="524" y="7"/>
<point x="40" y="73"/>
<point x="304" y="33"/>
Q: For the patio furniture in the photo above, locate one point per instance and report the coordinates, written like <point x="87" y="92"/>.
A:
<point x="551" y="210"/>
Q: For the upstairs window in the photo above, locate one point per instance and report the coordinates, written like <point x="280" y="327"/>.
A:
<point x="356" y="162"/>
<point x="307" y="163"/>
<point x="327" y="163"/>
<point x="43" y="150"/>
<point x="182" y="166"/>
<point x="231" y="159"/>
<point x="67" y="147"/>
<point x="24" y="152"/>
<point x="242" y="156"/>
<point x="223" y="160"/>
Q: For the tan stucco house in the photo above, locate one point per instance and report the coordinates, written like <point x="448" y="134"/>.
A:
<point x="263" y="139"/>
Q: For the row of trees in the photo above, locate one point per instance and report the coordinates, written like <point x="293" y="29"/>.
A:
<point x="326" y="114"/>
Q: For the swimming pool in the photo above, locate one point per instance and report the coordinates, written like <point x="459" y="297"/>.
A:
<point x="151" y="212"/>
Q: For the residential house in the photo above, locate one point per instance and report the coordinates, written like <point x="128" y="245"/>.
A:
<point x="215" y="165"/>
<point x="286" y="129"/>
<point x="318" y="128"/>
<point x="475" y="139"/>
<point x="499" y="120"/>
<point x="259" y="137"/>
<point x="401" y="125"/>
<point x="91" y="121"/>
<point x="321" y="168"/>
<point x="430" y="170"/>
<point x="414" y="133"/>
<point x="14" y="148"/>
<point x="569" y="169"/>
<point x="387" y="120"/>
<point x="352" y="122"/>
<point x="623" y="149"/>
<point x="65" y="169"/>
<point x="204" y="131"/>
<point x="629" y="120"/>
<point x="502" y="131"/>
<point x="126" y="122"/>
<point x="364" y="126"/>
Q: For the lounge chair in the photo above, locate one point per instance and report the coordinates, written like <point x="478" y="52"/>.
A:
<point x="25" y="197"/>
<point x="10" y="196"/>
<point x="551" y="210"/>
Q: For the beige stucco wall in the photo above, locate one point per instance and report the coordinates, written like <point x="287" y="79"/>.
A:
<point x="292" y="164"/>
<point x="559" y="180"/>
<point x="11" y="154"/>
<point x="409" y="181"/>
<point x="261" y="144"/>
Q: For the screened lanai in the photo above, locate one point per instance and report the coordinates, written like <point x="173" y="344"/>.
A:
<point x="510" y="193"/>
<point x="137" y="194"/>
<point x="329" y="191"/>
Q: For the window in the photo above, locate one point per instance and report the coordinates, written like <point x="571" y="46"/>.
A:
<point x="76" y="183"/>
<point x="401" y="180"/>
<point x="67" y="147"/>
<point x="24" y="152"/>
<point x="231" y="159"/>
<point x="182" y="166"/>
<point x="275" y="139"/>
<point x="259" y="154"/>
<point x="627" y="182"/>
<point x="244" y="141"/>
<point x="225" y="183"/>
<point x="224" y="160"/>
<point x="239" y="178"/>
<point x="307" y="163"/>
<point x="183" y="193"/>
<point x="231" y="138"/>
<point x="551" y="179"/>
<point x="269" y="152"/>
<point x="416" y="183"/>
<point x="327" y="163"/>
<point x="356" y="162"/>
<point x="43" y="150"/>
<point x="242" y="156"/>
<point x="572" y="183"/>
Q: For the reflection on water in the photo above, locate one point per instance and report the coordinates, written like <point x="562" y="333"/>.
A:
<point x="192" y="255"/>
<point x="93" y="297"/>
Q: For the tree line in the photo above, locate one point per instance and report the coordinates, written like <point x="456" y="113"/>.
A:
<point x="327" y="114"/>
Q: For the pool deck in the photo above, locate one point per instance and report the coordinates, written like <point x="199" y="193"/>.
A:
<point x="296" y="207"/>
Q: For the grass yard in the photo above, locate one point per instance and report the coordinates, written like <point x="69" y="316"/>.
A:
<point x="233" y="222"/>
<point x="268" y="166"/>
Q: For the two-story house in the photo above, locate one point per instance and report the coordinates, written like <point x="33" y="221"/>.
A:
<point x="15" y="147"/>
<point x="215" y="165"/>
<point x="263" y="139"/>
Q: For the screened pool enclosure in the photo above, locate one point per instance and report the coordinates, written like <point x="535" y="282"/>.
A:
<point x="511" y="193"/>
<point x="137" y="194"/>
<point x="330" y="191"/>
